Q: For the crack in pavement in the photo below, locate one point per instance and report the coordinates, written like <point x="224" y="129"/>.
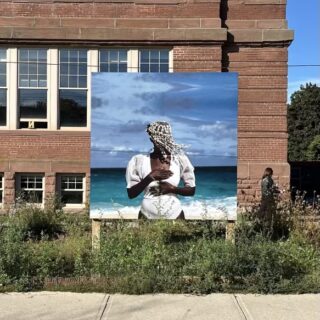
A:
<point x="242" y="308"/>
<point x="103" y="307"/>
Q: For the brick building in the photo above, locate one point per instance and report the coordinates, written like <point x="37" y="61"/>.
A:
<point x="49" y="49"/>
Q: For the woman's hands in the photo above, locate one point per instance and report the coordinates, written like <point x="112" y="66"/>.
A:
<point x="166" y="187"/>
<point x="163" y="188"/>
<point x="160" y="174"/>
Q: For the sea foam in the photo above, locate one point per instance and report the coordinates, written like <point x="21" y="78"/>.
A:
<point x="213" y="209"/>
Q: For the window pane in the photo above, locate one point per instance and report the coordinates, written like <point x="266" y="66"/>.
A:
<point x="72" y="185"/>
<point x="23" y="55"/>
<point x="74" y="197"/>
<point x="31" y="196"/>
<point x="82" y="69"/>
<point x="33" y="103"/>
<point x="103" y="67"/>
<point x="64" y="81"/>
<point x="123" y="55"/>
<point x="144" y="56"/>
<point x="73" y="81"/>
<point x="3" y="81"/>
<point x="113" y="56"/>
<point x="73" y="55"/>
<point x="73" y="68"/>
<point x="79" y="185"/>
<point x="154" y="67"/>
<point x="63" y="68"/>
<point x="42" y="68"/>
<point x="3" y="54"/>
<point x="42" y="81"/>
<point x="33" y="82"/>
<point x="32" y="68"/>
<point x="103" y="56"/>
<point x="64" y="55"/>
<point x="23" y="68"/>
<point x="33" y="55"/>
<point x="42" y="55"/>
<point x="164" y="68"/>
<point x="31" y="184"/>
<point x="164" y="56"/>
<point x="83" y="56"/>
<point x="24" y="82"/>
<point x="123" y="67"/>
<point x="144" y="67"/>
<point x="73" y="108"/>
<point x="113" y="67"/>
<point x="3" y="68"/>
<point x="3" y="107"/>
<point x="82" y="81"/>
<point x="38" y="185"/>
<point x="154" y="56"/>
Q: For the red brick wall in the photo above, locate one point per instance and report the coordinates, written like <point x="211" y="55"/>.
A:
<point x="44" y="152"/>
<point x="260" y="57"/>
<point x="245" y="36"/>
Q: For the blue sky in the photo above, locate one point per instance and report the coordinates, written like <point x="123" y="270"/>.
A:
<point x="201" y="108"/>
<point x="304" y="18"/>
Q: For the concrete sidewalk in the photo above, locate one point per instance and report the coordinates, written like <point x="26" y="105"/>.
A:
<point x="66" y="305"/>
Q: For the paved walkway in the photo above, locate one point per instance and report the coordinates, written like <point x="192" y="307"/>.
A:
<point x="98" y="306"/>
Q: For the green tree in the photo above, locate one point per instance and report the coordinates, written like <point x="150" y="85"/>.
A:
<point x="303" y="122"/>
<point x="313" y="151"/>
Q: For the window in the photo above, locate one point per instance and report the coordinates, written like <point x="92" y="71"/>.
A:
<point x="113" y="60"/>
<point x="30" y="187"/>
<point x="50" y="88"/>
<point x="71" y="189"/>
<point x="32" y="86"/>
<point x="1" y="189"/>
<point x="73" y="87"/>
<point x="154" y="60"/>
<point x="3" y="87"/>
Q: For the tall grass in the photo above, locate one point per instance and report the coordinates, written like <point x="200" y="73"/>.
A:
<point x="49" y="249"/>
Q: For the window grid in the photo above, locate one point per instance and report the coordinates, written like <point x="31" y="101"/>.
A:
<point x="70" y="183"/>
<point x="31" y="182"/>
<point x="154" y="60"/>
<point x="32" y="68"/>
<point x="30" y="188"/>
<point x="113" y="60"/>
<point x="73" y="68"/>
<point x="71" y="190"/>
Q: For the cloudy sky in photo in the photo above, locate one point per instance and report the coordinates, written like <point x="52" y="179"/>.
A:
<point x="201" y="108"/>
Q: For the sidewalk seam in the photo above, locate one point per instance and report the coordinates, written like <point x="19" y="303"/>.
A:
<point x="241" y="307"/>
<point x="103" y="307"/>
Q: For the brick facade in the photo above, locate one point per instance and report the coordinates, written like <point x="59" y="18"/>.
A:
<point x="245" y="36"/>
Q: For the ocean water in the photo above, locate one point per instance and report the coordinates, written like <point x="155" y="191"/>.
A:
<point x="216" y="189"/>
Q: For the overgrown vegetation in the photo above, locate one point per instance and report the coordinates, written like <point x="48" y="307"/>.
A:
<point x="51" y="250"/>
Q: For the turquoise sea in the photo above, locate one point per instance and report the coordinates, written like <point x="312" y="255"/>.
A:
<point x="216" y="189"/>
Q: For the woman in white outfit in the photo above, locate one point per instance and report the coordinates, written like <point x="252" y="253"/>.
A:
<point x="158" y="175"/>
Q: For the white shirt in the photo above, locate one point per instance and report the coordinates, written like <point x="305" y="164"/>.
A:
<point x="168" y="205"/>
